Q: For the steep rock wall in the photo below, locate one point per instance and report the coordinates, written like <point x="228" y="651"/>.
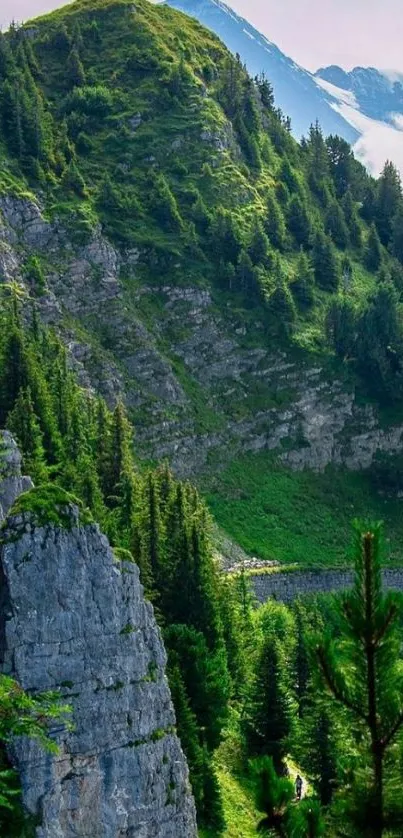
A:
<point x="200" y="387"/>
<point x="73" y="619"/>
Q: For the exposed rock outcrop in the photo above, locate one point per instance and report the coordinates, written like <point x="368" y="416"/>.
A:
<point x="198" y="387"/>
<point x="12" y="483"/>
<point x="73" y="619"/>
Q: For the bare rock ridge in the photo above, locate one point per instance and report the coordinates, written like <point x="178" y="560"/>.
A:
<point x="73" y="618"/>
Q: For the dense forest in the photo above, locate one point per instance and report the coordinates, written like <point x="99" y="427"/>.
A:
<point x="298" y="238"/>
<point x="316" y="686"/>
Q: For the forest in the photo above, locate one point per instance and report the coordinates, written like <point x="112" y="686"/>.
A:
<point x="307" y="244"/>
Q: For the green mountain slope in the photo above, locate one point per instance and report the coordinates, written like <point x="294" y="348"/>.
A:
<point x="241" y="291"/>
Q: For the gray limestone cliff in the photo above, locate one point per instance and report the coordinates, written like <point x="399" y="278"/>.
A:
<point x="201" y="385"/>
<point x="73" y="619"/>
<point x="12" y="483"/>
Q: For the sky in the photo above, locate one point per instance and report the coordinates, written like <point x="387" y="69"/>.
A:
<point x="314" y="33"/>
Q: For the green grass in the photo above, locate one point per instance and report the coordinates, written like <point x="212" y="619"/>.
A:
<point x="240" y="813"/>
<point x="50" y="504"/>
<point x="274" y="513"/>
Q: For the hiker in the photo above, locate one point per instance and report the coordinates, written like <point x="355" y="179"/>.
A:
<point x="298" y="787"/>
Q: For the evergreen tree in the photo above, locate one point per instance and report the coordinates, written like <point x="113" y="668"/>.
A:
<point x="325" y="263"/>
<point x="298" y="221"/>
<point x="397" y="234"/>
<point x="14" y="370"/>
<point x="361" y="670"/>
<point x="388" y="201"/>
<point x="273" y="795"/>
<point x="270" y="712"/>
<point x="335" y="225"/>
<point x="275" y="223"/>
<point x="306" y="820"/>
<point x="23" y="423"/>
<point x="75" y="69"/>
<point x="373" y="250"/>
<point x="303" y="284"/>
<point x="118" y="453"/>
<point x="281" y="304"/>
<point x="379" y="345"/>
<point x="259" y="246"/>
<point x="341" y="327"/>
<point x="163" y="205"/>
<point x="352" y="221"/>
<point x="341" y="164"/>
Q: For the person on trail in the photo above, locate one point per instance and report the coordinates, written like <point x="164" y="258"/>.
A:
<point x="298" y="787"/>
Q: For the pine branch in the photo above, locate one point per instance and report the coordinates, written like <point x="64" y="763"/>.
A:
<point x="334" y="688"/>
<point x="398" y="724"/>
<point x="391" y="615"/>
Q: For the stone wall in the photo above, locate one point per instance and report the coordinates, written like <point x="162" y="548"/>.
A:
<point x="289" y="585"/>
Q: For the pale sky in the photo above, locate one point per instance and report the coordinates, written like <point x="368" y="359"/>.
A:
<point x="313" y="32"/>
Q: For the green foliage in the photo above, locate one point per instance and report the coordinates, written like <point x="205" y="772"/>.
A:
<point x="361" y="670"/>
<point x="273" y="794"/>
<point x="325" y="263"/>
<point x="22" y="715"/>
<point x="336" y="226"/>
<point x="373" y="250"/>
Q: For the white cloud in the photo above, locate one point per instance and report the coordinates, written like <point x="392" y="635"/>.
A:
<point x="379" y="141"/>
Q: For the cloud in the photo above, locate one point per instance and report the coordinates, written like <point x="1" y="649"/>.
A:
<point x="379" y="141"/>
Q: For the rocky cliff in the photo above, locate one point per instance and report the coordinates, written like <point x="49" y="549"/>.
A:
<point x="200" y="383"/>
<point x="74" y="620"/>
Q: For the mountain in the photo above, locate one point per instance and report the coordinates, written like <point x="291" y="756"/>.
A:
<point x="199" y="316"/>
<point x="364" y="106"/>
<point x="295" y="90"/>
<point x="378" y="95"/>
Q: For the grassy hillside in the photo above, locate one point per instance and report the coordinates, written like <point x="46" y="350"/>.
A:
<point x="274" y="513"/>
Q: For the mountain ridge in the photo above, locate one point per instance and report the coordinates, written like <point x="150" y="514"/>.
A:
<point x="294" y="87"/>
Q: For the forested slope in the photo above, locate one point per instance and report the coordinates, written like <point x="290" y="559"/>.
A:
<point x="229" y="283"/>
<point x="165" y="243"/>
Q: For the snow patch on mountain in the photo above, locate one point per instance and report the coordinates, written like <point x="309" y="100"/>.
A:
<point x="379" y="140"/>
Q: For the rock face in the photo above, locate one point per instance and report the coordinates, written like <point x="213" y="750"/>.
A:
<point x="73" y="619"/>
<point x="198" y="387"/>
<point x="12" y="483"/>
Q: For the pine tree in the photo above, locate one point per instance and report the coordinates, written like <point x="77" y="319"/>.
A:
<point x="75" y="69"/>
<point x="298" y="221"/>
<point x="118" y="453"/>
<point x="23" y="423"/>
<point x="270" y="712"/>
<point x="388" y="201"/>
<point x="275" y="223"/>
<point x="281" y="304"/>
<point x="14" y="370"/>
<point x="397" y="235"/>
<point x="303" y="285"/>
<point x="352" y="221"/>
<point x="273" y="795"/>
<point x="341" y="327"/>
<point x="361" y="670"/>
<point x="325" y="263"/>
<point x="335" y="225"/>
<point x="259" y="246"/>
<point x="373" y="250"/>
